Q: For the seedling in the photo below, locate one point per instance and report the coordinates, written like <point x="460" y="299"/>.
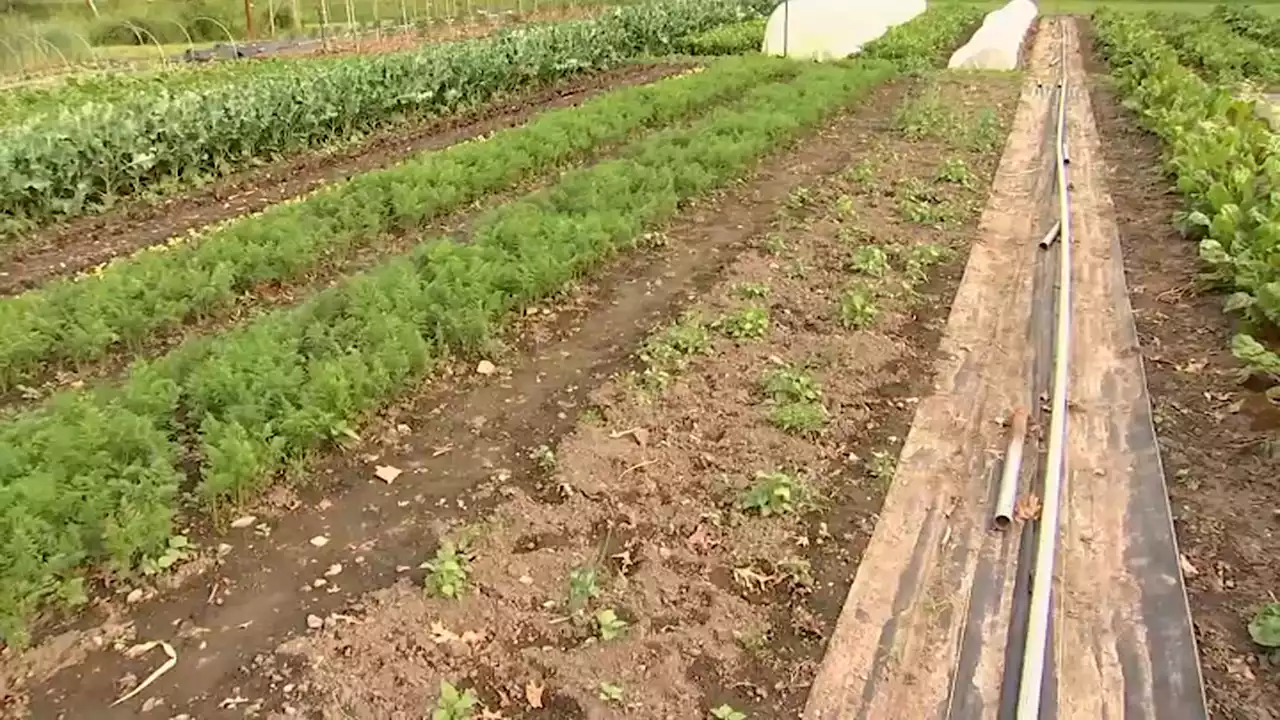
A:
<point x="845" y="208"/>
<point x="179" y="548"/>
<point x="748" y="323"/>
<point x="920" y="204"/>
<point x="583" y="587"/>
<point x="774" y="243"/>
<point x="545" y="458"/>
<point x="955" y="171"/>
<point x="800" y="198"/>
<point x="447" y="573"/>
<point x="774" y="493"/>
<point x="611" y="693"/>
<point x="925" y="116"/>
<point x="799" y="418"/>
<point x="751" y="291"/>
<point x="726" y="712"/>
<point x="788" y="385"/>
<point x="882" y="467"/>
<point x="870" y="260"/>
<point x="858" y="307"/>
<point x="797" y="571"/>
<point x="609" y="624"/>
<point x="985" y="134"/>
<point x="669" y="351"/>
<point x="455" y="705"/>
<point x="919" y="259"/>
<point x="863" y="173"/>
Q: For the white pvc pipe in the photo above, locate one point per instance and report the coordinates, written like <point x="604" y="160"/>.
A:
<point x="1032" y="680"/>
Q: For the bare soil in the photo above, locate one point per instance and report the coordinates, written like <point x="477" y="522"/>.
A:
<point x="86" y="242"/>
<point x="1218" y="438"/>
<point x="720" y="605"/>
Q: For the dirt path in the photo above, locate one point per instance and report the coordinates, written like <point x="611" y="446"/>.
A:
<point x="927" y="633"/>
<point x="1216" y="437"/>
<point x="85" y="242"/>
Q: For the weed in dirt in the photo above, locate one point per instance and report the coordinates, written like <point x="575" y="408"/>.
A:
<point x="870" y="260"/>
<point x="748" y="323"/>
<point x="799" y="418"/>
<point x="751" y="291"/>
<point x="881" y="467"/>
<point x="592" y="416"/>
<point x="925" y="115"/>
<point x="584" y="587"/>
<point x="726" y="712"/>
<point x="797" y="572"/>
<point x="986" y="134"/>
<point x="786" y="384"/>
<point x="454" y="704"/>
<point x="920" y="203"/>
<point x="857" y="307"/>
<point x="956" y="172"/>
<point x="609" y="625"/>
<point x="797" y="269"/>
<point x="862" y="174"/>
<point x="179" y="549"/>
<point x="447" y="573"/>
<point x="669" y="351"/>
<point x="774" y="243"/>
<point x="845" y="208"/>
<point x="800" y="198"/>
<point x="775" y="493"/>
<point x="1264" y="629"/>
<point x="918" y="260"/>
<point x="544" y="457"/>
<point x="853" y="234"/>
<point x="610" y="692"/>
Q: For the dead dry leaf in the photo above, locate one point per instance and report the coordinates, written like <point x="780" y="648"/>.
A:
<point x="387" y="473"/>
<point x="533" y="693"/>
<point x="1027" y="507"/>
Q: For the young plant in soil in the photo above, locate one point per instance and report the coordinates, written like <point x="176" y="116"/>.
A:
<point x="796" y="399"/>
<point x="881" y="467"/>
<point x="447" y="573"/>
<point x="775" y="493"/>
<point x="748" y="323"/>
<point x="956" y="172"/>
<point x="870" y="260"/>
<point x="752" y="291"/>
<point x="609" y="624"/>
<point x="454" y="704"/>
<point x="669" y="352"/>
<point x="858" y="309"/>
<point x="726" y="712"/>
<point x="611" y="693"/>
<point x="583" y="588"/>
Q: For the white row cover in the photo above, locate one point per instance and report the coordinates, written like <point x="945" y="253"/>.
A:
<point x="832" y="29"/>
<point x="995" y="45"/>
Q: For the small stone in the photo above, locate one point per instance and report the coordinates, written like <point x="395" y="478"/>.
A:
<point x="319" y="541"/>
<point x="387" y="473"/>
<point x="244" y="522"/>
<point x="334" y="569"/>
<point x="315" y="622"/>
<point x="134" y="596"/>
<point x="486" y="368"/>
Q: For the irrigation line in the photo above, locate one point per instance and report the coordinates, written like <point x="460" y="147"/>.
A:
<point x="1031" y="684"/>
<point x="1008" y="492"/>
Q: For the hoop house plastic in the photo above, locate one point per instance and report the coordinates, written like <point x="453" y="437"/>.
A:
<point x="832" y="29"/>
<point x="995" y="45"/>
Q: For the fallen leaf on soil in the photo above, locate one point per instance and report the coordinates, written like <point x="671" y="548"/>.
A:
<point x="639" y="434"/>
<point x="441" y="634"/>
<point x="244" y="522"/>
<point x="1028" y="507"/>
<point x="533" y="693"/>
<point x="319" y="541"/>
<point x="140" y="650"/>
<point x="334" y="569"/>
<point x="387" y="473"/>
<point x="486" y="368"/>
<point x="315" y="622"/>
<point x="1187" y="568"/>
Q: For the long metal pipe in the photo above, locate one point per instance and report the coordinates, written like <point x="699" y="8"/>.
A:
<point x="1008" y="492"/>
<point x="1031" y="683"/>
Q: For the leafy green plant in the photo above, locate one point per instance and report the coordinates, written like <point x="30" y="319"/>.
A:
<point x="786" y="384"/>
<point x="448" y="571"/>
<point x="748" y="323"/>
<point x="752" y="291"/>
<point x="858" y="308"/>
<point x="774" y="243"/>
<point x="881" y="467"/>
<point x="955" y="171"/>
<point x="454" y="704"/>
<point x="774" y="493"/>
<point x="609" y="692"/>
<point x="870" y="260"/>
<point x="583" y="587"/>
<point x="726" y="712"/>
<point x="669" y="351"/>
<point x="544" y="457"/>
<point x="177" y="550"/>
<point x="732" y="39"/>
<point x="1264" y="628"/>
<point x="609" y="624"/>
<point x="799" y="418"/>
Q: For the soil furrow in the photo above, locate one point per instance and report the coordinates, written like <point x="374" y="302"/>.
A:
<point x="463" y="445"/>
<point x="90" y="241"/>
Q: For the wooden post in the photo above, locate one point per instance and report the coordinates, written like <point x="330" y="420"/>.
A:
<point x="248" y="19"/>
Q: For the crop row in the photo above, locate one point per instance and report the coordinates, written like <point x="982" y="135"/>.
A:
<point x="1248" y="21"/>
<point x="79" y="320"/>
<point x="87" y="157"/>
<point x="130" y="300"/>
<point x="1209" y="45"/>
<point x="1223" y="159"/>
<point x="92" y="477"/>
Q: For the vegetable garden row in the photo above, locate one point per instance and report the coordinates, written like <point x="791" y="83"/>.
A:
<point x="93" y="478"/>
<point x="1223" y="159"/>
<point x="94" y="146"/>
<point x="1232" y="44"/>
